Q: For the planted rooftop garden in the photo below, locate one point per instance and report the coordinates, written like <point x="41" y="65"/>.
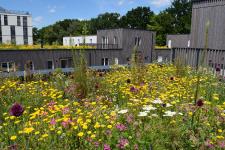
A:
<point x="140" y="107"/>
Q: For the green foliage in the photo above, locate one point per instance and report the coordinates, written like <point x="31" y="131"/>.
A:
<point x="173" y="20"/>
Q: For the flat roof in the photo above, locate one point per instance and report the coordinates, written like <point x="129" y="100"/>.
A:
<point x="126" y="29"/>
<point x="5" y="11"/>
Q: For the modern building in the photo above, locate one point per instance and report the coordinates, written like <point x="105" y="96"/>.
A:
<point x="79" y="40"/>
<point x="15" y="27"/>
<point x="114" y="46"/>
<point x="204" y="12"/>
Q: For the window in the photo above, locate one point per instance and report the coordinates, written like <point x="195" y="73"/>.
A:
<point x="169" y="44"/>
<point x="0" y="30"/>
<point x="116" y="61"/>
<point x="50" y="64"/>
<point x="25" y="35"/>
<point x="105" y="41"/>
<point x="115" y="41"/>
<point x="18" y="21"/>
<point x="8" y="66"/>
<point x="4" y="67"/>
<point x="13" y="34"/>
<point x="90" y="41"/>
<point x="105" y="61"/>
<point x="63" y="63"/>
<point x="160" y="59"/>
<point x="5" y="20"/>
<point x="25" y="21"/>
<point x="137" y="41"/>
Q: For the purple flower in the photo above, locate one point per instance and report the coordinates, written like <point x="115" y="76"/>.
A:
<point x="133" y="89"/>
<point x="106" y="147"/>
<point x="122" y="143"/>
<point x="16" y="110"/>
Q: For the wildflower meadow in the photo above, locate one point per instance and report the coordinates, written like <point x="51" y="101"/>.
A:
<point x="153" y="108"/>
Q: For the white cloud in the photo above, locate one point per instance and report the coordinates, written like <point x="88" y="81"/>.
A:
<point x="160" y="3"/>
<point x="51" y="9"/>
<point x="37" y="20"/>
<point x="120" y="2"/>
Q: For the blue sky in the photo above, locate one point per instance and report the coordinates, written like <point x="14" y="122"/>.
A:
<point x="47" y="12"/>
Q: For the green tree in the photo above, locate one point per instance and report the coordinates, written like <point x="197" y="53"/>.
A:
<point x="139" y="18"/>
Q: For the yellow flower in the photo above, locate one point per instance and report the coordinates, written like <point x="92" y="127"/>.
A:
<point x="89" y="132"/>
<point x="44" y="135"/>
<point x="220" y="130"/>
<point x="109" y="126"/>
<point x="28" y="130"/>
<point x="37" y="132"/>
<point x="220" y="137"/>
<point x="93" y="136"/>
<point x="13" y="137"/>
<point x="59" y="132"/>
<point x="85" y="126"/>
<point x="80" y="134"/>
<point x="97" y="125"/>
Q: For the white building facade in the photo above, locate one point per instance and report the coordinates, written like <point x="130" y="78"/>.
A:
<point x="79" y="40"/>
<point x="15" y="27"/>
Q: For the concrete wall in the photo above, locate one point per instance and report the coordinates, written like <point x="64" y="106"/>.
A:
<point x="178" y="40"/>
<point x="12" y="21"/>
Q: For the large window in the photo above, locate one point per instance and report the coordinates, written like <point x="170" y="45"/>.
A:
<point x="13" y="34"/>
<point x="7" y="66"/>
<point x="105" y="61"/>
<point x="5" y="20"/>
<point x="25" y="35"/>
<point x="24" y="21"/>
<point x="18" y="21"/>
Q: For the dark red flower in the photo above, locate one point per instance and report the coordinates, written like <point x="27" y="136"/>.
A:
<point x="16" y="110"/>
<point x="171" y="78"/>
<point x="200" y="103"/>
<point x="128" y="81"/>
<point x="217" y="69"/>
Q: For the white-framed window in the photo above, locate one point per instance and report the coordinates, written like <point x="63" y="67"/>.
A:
<point x="105" y="61"/>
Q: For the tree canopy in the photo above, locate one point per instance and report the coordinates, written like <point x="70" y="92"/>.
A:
<point x="173" y="20"/>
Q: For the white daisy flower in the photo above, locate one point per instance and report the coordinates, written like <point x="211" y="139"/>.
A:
<point x="123" y="111"/>
<point x="143" y="114"/>
<point x="169" y="113"/>
<point x="148" y="108"/>
<point x="157" y="101"/>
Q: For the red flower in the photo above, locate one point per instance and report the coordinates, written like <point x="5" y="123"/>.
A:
<point x="200" y="103"/>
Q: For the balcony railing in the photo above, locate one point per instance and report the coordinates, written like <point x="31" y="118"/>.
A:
<point x="100" y="46"/>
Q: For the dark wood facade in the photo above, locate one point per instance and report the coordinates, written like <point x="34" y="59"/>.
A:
<point x="178" y="40"/>
<point x="113" y="51"/>
<point x="203" y="12"/>
<point x="127" y="39"/>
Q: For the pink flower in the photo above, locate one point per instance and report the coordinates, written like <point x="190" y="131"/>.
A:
<point x="222" y="144"/>
<point x="129" y="118"/>
<point x="121" y="127"/>
<point x="122" y="143"/>
<point x="53" y="122"/>
<point x="66" y="110"/>
<point x="208" y="144"/>
<point x="106" y="147"/>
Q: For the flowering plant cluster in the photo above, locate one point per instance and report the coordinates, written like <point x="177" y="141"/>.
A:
<point x="158" y="113"/>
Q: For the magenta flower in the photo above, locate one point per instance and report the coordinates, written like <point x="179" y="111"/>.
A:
<point x="65" y="110"/>
<point x="222" y="144"/>
<point x="53" y="122"/>
<point x="16" y="110"/>
<point x="106" y="147"/>
<point x="122" y="143"/>
<point x="121" y="127"/>
<point x="133" y="89"/>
